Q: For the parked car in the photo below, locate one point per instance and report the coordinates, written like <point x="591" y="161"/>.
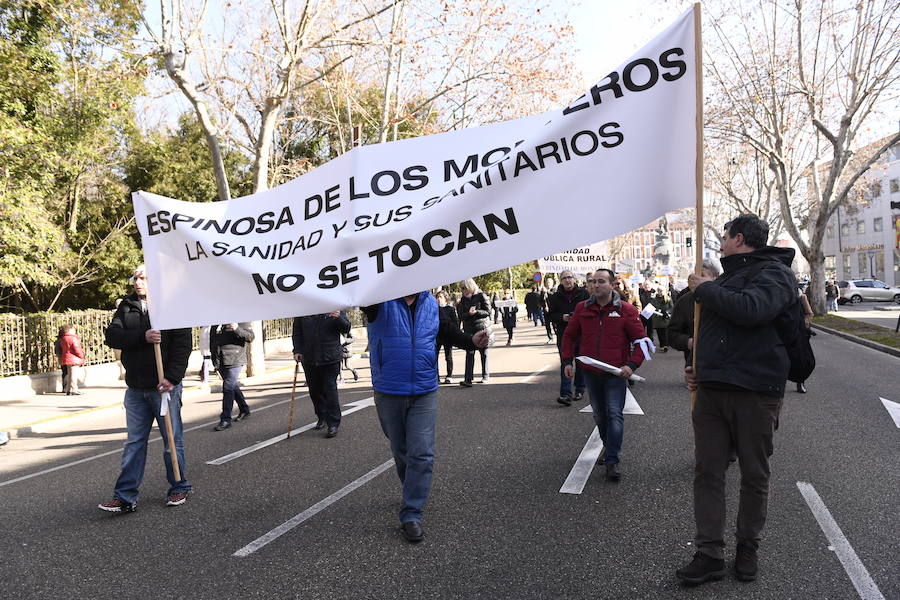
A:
<point x="857" y="290"/>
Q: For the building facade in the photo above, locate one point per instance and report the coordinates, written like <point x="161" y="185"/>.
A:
<point x="863" y="241"/>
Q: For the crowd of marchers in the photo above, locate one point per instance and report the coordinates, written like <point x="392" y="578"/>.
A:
<point x="737" y="368"/>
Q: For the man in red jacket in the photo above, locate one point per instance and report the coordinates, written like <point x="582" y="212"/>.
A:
<point x="606" y="329"/>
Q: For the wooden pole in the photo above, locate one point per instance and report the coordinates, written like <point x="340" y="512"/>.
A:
<point x="698" y="180"/>
<point x="173" y="453"/>
<point x="293" y="396"/>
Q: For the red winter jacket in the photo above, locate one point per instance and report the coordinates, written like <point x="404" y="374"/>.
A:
<point x="71" y="352"/>
<point x="604" y="333"/>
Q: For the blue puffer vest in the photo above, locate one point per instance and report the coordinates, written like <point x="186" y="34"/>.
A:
<point x="404" y="362"/>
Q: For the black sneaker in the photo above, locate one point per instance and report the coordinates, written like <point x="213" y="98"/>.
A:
<point x="745" y="562"/>
<point x="565" y="400"/>
<point x="223" y="425"/>
<point x="701" y="569"/>
<point x="447" y="381"/>
<point x="465" y="384"/>
<point x="412" y="531"/>
<point x="612" y="472"/>
<point x="579" y="395"/>
<point x="118" y="506"/>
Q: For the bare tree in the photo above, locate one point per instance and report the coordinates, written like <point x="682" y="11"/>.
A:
<point x="800" y="82"/>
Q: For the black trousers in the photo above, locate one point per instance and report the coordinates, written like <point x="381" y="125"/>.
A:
<point x="662" y="335"/>
<point x="470" y="364"/>
<point x="448" y="356"/>
<point x="727" y="421"/>
<point x="322" y="383"/>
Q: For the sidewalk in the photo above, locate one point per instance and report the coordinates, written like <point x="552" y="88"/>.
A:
<point x="52" y="410"/>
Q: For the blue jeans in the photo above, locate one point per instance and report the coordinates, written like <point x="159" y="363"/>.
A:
<point x="565" y="384"/>
<point x="408" y="422"/>
<point x="537" y="315"/>
<point x="608" y="401"/>
<point x="141" y="409"/>
<point x="231" y="391"/>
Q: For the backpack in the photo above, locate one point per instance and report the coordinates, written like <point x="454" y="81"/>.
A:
<point x="791" y="327"/>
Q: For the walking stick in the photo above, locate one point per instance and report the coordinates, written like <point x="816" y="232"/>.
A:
<point x="293" y="396"/>
<point x="164" y="397"/>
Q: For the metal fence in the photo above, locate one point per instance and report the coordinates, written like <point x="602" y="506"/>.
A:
<point x="26" y="342"/>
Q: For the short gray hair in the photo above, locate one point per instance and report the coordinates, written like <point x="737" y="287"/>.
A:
<point x="469" y="286"/>
<point x="712" y="265"/>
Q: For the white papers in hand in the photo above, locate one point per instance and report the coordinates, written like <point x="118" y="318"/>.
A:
<point x="587" y="360"/>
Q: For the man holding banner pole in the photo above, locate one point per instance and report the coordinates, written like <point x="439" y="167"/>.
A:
<point x="131" y="332"/>
<point x="741" y="369"/>
<point x="403" y="335"/>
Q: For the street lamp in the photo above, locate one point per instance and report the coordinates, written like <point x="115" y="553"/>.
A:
<point x="871" y="264"/>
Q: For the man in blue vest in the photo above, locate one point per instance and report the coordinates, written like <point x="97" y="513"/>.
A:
<point x="403" y="335"/>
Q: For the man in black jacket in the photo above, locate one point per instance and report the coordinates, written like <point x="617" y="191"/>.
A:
<point x="317" y="346"/>
<point x="227" y="344"/>
<point x="130" y="331"/>
<point x="742" y="367"/>
<point x="560" y="306"/>
<point x="533" y="306"/>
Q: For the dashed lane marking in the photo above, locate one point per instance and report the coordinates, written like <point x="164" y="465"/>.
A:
<point x="631" y="405"/>
<point x="535" y="374"/>
<point x="312" y="510"/>
<point x="859" y="576"/>
<point x="119" y="450"/>
<point x="893" y="409"/>
<point x="581" y="470"/>
<point x="354" y="406"/>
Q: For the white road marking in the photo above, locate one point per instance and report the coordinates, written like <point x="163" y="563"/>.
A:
<point x="354" y="406"/>
<point x="119" y="450"/>
<point x="893" y="409"/>
<point x="631" y="405"/>
<point x="859" y="576"/>
<point x="535" y="374"/>
<point x="312" y="510"/>
<point x="581" y="470"/>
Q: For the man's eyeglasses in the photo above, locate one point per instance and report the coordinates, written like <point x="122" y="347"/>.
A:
<point x="567" y="277"/>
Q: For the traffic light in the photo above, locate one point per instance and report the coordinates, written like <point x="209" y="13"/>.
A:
<point x="688" y="242"/>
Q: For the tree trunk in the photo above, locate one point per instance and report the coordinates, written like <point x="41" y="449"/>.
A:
<point x="256" y="353"/>
<point x="816" y="289"/>
<point x="76" y="206"/>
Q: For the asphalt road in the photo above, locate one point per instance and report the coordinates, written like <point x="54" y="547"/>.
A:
<point x="496" y="524"/>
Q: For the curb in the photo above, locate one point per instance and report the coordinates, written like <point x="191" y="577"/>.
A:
<point x="16" y="431"/>
<point x="859" y="340"/>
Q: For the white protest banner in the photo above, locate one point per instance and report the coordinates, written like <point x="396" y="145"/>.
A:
<point x="506" y="303"/>
<point x="579" y="260"/>
<point x="392" y="219"/>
